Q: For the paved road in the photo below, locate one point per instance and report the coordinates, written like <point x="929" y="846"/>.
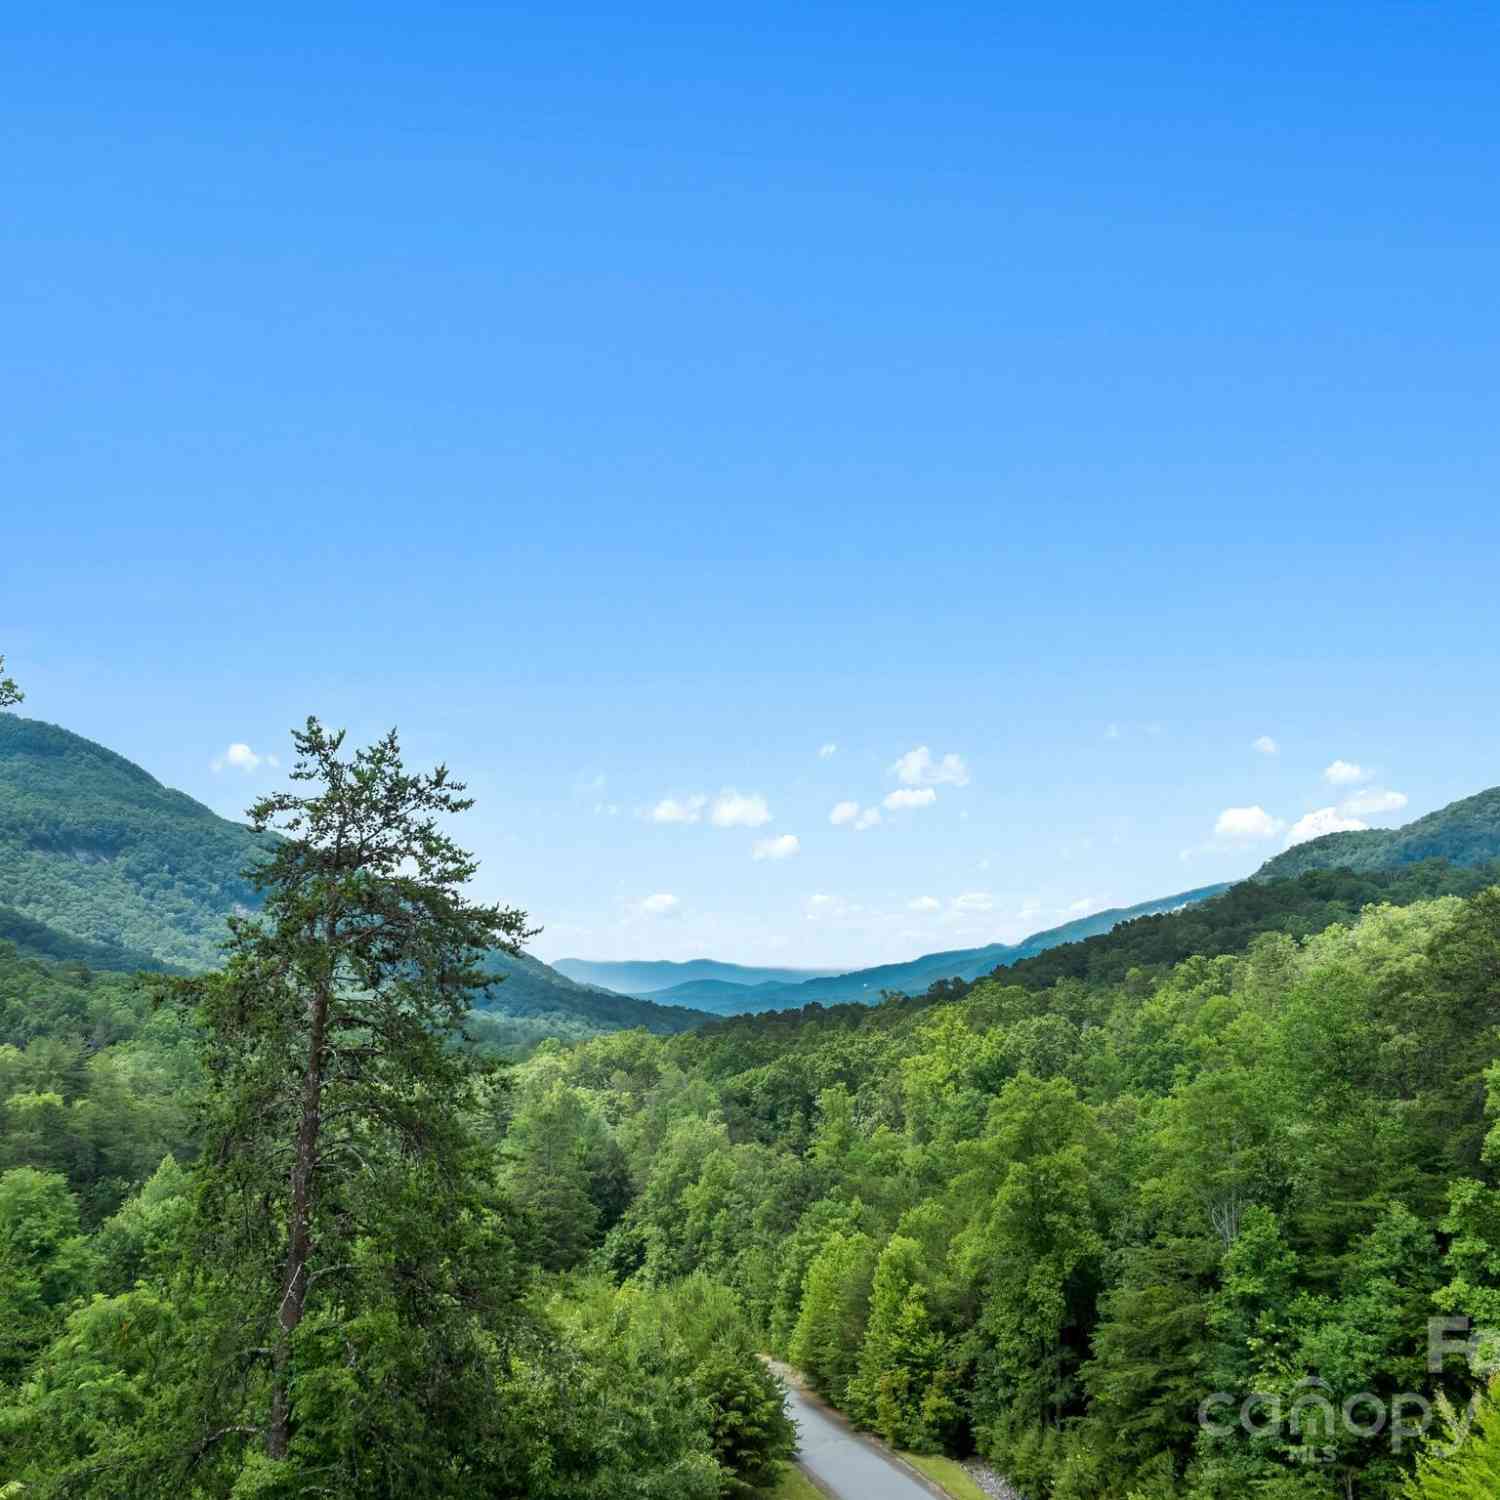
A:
<point x="847" y="1466"/>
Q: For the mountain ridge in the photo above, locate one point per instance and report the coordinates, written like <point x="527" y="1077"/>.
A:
<point x="1465" y="832"/>
<point x="644" y="976"/>
<point x="916" y="975"/>
<point x="103" y="865"/>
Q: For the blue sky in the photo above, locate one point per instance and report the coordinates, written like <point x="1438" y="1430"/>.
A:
<point x="629" y="403"/>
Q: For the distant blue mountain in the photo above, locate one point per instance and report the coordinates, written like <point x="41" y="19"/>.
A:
<point x="731" y="998"/>
<point x="645" y="977"/>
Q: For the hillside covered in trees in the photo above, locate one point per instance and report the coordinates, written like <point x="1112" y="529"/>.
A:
<point x="1165" y="1213"/>
<point x="1466" y="832"/>
<point x="1042" y="1217"/>
<point x="1049" y="1221"/>
<point x="102" y="865"/>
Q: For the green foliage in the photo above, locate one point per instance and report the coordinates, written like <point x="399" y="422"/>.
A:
<point x="102" y="865"/>
<point x="95" y="848"/>
<point x="691" y="1348"/>
<point x="93" y="1085"/>
<point x="1297" y="903"/>
<point x="1248" y="1146"/>
<point x="10" y="694"/>
<point x="1463" y="1460"/>
<point x="44" y="1261"/>
<point x="903" y="1389"/>
<point x="1050" y="1222"/>
<point x="830" y="1326"/>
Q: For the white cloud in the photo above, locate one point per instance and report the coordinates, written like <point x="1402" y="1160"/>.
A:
<point x="1083" y="906"/>
<point x="974" y="901"/>
<point x="843" y="812"/>
<point x="679" y="809"/>
<point x="1345" y="773"/>
<point x="240" y="757"/>
<point x="662" y="904"/>
<point x="1265" y="745"/>
<point x="924" y="903"/>
<point x="1315" y="824"/>
<point x="821" y="907"/>
<point x="778" y="848"/>
<point x="867" y="819"/>
<point x="1247" y="823"/>
<point x="917" y="768"/>
<point x="733" y="809"/>
<point x="910" y="797"/>
<point x="824" y="751"/>
<point x="1373" y="801"/>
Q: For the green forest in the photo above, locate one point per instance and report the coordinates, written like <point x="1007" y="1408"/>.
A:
<point x="1204" y="1207"/>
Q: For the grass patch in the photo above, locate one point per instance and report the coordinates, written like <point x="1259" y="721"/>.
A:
<point x="948" y="1473"/>
<point x="794" y="1485"/>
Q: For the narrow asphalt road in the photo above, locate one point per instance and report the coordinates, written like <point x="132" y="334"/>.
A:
<point x="843" y="1463"/>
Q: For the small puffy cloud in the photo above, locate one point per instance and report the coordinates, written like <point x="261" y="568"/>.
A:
<point x="1326" y="820"/>
<point x="1345" y="773"/>
<point x="240" y="757"/>
<point x="733" y="809"/>
<point x="924" y="903"/>
<point x="918" y="768"/>
<point x="1247" y="823"/>
<point x="662" y="904"/>
<point x="783" y="847"/>
<point x="679" y="809"/>
<point x="910" y="797"/>
<point x="851" y="815"/>
<point x="974" y="901"/>
<point x="1084" y="905"/>
<point x="1372" y="801"/>
<point x="1265" y="745"/>
<point x="824" y="751"/>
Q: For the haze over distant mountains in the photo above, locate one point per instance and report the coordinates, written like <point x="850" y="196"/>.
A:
<point x="646" y="977"/>
<point x="1465" y="833"/>
<point x="728" y="998"/>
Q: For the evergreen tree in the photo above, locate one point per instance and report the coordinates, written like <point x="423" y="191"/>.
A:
<point x="340" y="1208"/>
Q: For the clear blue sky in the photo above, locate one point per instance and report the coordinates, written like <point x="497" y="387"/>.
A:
<point x="628" y="402"/>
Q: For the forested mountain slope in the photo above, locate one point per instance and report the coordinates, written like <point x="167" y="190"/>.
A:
<point x="97" y="849"/>
<point x="1048" y="1222"/>
<point x="534" y="1001"/>
<point x="100" y="864"/>
<point x="1466" y="832"/>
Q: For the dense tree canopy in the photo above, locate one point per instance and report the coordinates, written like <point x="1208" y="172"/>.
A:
<point x="295" y="1234"/>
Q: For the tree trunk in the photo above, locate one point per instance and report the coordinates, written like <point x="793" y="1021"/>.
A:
<point x="299" y="1226"/>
